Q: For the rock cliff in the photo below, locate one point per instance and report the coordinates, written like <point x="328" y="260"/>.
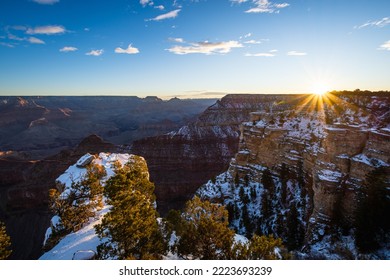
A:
<point x="180" y="161"/>
<point x="318" y="153"/>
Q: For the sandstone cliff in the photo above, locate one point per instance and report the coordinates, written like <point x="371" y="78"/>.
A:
<point x="319" y="155"/>
<point x="180" y="161"/>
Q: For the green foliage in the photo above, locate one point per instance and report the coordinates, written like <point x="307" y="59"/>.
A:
<point x="295" y="234"/>
<point x="241" y="193"/>
<point x="268" y="183"/>
<point x="265" y="205"/>
<point x="263" y="247"/>
<point x="77" y="205"/>
<point x="174" y="222"/>
<point x="284" y="173"/>
<point x="230" y="208"/>
<point x="206" y="234"/>
<point x="259" y="248"/>
<point x="130" y="229"/>
<point x="372" y="221"/>
<point x="5" y="243"/>
<point x="246" y="220"/>
<point x="236" y="179"/>
<point x="253" y="193"/>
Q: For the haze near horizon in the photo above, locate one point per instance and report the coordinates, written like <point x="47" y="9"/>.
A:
<point x="190" y="49"/>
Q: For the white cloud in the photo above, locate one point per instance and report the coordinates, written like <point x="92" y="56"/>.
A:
<point x="171" y="14"/>
<point x="34" y="40"/>
<point x="265" y="6"/>
<point x="206" y="48"/>
<point x="385" y="46"/>
<point x="252" y="42"/>
<point x="95" y="52"/>
<point x="46" y="30"/>
<point x="238" y="1"/>
<point x="281" y="6"/>
<point x="129" y="50"/>
<point x="296" y="53"/>
<point x="46" y="2"/>
<point x="6" y="45"/>
<point x="376" y="23"/>
<point x="267" y="54"/>
<point x="176" y="40"/>
<point x="15" y="38"/>
<point x="160" y="7"/>
<point x="68" y="49"/>
<point x="146" y="2"/>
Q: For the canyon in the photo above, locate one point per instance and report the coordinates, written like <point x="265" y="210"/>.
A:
<point x="320" y="148"/>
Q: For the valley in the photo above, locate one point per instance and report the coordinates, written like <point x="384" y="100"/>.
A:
<point x="301" y="160"/>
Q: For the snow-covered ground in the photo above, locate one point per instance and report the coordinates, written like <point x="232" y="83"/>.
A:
<point x="84" y="240"/>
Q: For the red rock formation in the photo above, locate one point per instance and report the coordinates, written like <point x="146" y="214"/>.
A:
<point x="181" y="161"/>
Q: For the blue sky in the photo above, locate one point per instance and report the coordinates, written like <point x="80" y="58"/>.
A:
<point x="191" y="48"/>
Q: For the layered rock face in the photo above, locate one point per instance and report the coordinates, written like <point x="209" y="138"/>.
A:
<point x="181" y="161"/>
<point x="332" y="146"/>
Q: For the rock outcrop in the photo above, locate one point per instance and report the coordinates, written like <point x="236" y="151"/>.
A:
<point x="180" y="161"/>
<point x="328" y="151"/>
<point x="24" y="186"/>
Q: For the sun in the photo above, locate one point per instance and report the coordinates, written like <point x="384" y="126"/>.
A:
<point x="320" y="89"/>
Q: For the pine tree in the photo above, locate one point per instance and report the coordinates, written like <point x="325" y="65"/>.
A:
<point x="295" y="233"/>
<point x="77" y="204"/>
<point x="241" y="193"/>
<point x="253" y="193"/>
<point x="301" y="180"/>
<point x="236" y="179"/>
<point x="264" y="248"/>
<point x="265" y="205"/>
<point x="259" y="248"/>
<point x="206" y="234"/>
<point x="5" y="243"/>
<point x="372" y="221"/>
<point x="246" y="221"/>
<point x="268" y="183"/>
<point x="131" y="227"/>
<point x="284" y="177"/>
<point x="230" y="209"/>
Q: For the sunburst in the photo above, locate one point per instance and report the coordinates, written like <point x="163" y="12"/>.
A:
<point x="320" y="89"/>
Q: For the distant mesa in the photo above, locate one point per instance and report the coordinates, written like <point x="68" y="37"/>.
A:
<point x="152" y="99"/>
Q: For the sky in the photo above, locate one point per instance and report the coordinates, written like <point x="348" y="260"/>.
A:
<point x="192" y="48"/>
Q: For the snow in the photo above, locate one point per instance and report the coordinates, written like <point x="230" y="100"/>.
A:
<point x="54" y="222"/>
<point x="240" y="239"/>
<point x="84" y="255"/>
<point x="85" y="240"/>
<point x="329" y="175"/>
<point x="343" y="156"/>
<point x="369" y="161"/>
<point x="261" y="123"/>
<point x="335" y="128"/>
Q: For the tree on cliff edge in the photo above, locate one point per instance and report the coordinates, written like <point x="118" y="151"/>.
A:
<point x="5" y="243"/>
<point x="206" y="235"/>
<point x="130" y="230"/>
